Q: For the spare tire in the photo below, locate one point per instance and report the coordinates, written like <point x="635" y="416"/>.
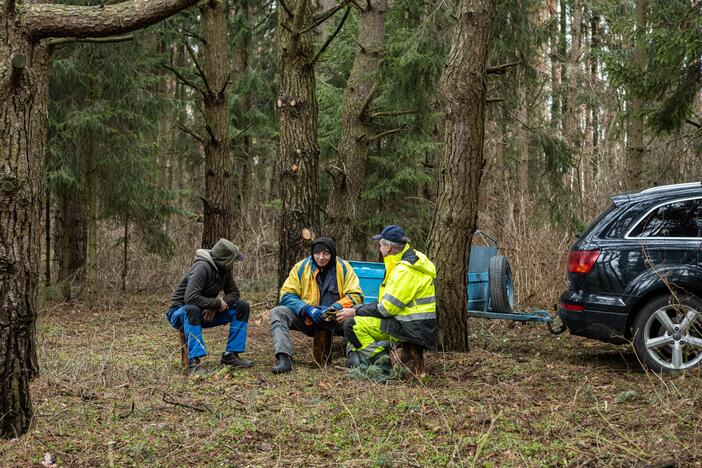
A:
<point x="501" y="284"/>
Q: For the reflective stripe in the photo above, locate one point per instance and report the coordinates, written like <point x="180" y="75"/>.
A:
<point x="394" y="301"/>
<point x="372" y="348"/>
<point x="413" y="317"/>
<point x="425" y="300"/>
<point x="382" y="310"/>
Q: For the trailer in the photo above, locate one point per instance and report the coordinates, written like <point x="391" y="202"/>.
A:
<point x="490" y="284"/>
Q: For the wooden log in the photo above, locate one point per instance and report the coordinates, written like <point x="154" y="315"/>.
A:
<point x="413" y="358"/>
<point x="183" y="349"/>
<point x="322" y="347"/>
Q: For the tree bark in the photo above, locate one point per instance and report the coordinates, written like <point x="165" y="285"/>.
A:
<point x="244" y="156"/>
<point x="24" y="77"/>
<point x="522" y="138"/>
<point x="356" y="127"/>
<point x="462" y="96"/>
<point x="635" y="131"/>
<point x="555" y="72"/>
<point x="298" y="150"/>
<point x="214" y="59"/>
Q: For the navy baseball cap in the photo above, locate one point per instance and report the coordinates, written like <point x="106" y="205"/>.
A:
<point x="392" y="233"/>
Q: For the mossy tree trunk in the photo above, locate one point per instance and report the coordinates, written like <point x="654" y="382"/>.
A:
<point x="462" y="98"/>
<point x="24" y="78"/>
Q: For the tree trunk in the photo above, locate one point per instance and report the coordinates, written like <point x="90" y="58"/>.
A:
<point x="594" y="79"/>
<point x="23" y="131"/>
<point x="214" y="59"/>
<point x="241" y="66"/>
<point x="24" y="84"/>
<point x="47" y="237"/>
<point x="298" y="151"/>
<point x="91" y="274"/>
<point x="462" y="96"/>
<point x="125" y="252"/>
<point x="356" y="127"/>
<point x="522" y="147"/>
<point x="635" y="131"/>
<point x="74" y="240"/>
<point x="555" y="72"/>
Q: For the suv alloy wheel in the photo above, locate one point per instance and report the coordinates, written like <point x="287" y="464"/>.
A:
<point x="668" y="333"/>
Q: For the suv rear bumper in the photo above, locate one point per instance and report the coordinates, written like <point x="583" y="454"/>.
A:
<point x="603" y="318"/>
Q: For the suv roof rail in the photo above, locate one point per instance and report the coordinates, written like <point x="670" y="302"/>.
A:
<point x="672" y="187"/>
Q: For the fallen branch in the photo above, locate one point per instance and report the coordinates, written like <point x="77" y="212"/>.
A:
<point x="172" y="401"/>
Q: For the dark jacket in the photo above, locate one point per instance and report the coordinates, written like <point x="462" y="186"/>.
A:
<point x="202" y="283"/>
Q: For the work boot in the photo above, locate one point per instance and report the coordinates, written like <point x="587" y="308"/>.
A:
<point x="195" y="369"/>
<point x="234" y="360"/>
<point x="284" y="364"/>
<point x="353" y="360"/>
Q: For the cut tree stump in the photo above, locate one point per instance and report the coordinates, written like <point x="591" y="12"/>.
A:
<point x="322" y="347"/>
<point x="183" y="349"/>
<point x="413" y="358"/>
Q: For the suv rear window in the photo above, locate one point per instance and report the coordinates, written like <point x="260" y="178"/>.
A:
<point x="682" y="218"/>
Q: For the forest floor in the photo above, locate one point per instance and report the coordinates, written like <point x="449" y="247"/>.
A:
<point x="111" y="393"/>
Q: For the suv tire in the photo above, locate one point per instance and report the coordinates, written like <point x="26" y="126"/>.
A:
<point x="668" y="333"/>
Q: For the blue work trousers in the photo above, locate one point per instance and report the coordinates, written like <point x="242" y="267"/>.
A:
<point x="189" y="319"/>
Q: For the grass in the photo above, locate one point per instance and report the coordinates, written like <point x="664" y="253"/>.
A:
<point x="111" y="393"/>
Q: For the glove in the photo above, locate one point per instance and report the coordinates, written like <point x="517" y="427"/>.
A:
<point x="336" y="306"/>
<point x="315" y="313"/>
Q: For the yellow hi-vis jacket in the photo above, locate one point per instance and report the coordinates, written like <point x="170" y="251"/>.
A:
<point x="300" y="288"/>
<point x="406" y="300"/>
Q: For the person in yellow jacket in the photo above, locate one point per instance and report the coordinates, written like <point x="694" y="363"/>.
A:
<point x="406" y="306"/>
<point x="315" y="284"/>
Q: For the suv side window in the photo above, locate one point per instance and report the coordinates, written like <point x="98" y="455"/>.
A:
<point x="677" y="219"/>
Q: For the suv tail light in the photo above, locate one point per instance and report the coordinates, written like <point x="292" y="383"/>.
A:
<point x="582" y="261"/>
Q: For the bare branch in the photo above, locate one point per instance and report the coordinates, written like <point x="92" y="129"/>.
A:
<point x="501" y="69"/>
<point x="383" y="134"/>
<point x="322" y="17"/>
<point x="331" y="38"/>
<point x="493" y="99"/>
<point x="55" y="20"/>
<point x="193" y="134"/>
<point x="213" y="137"/>
<point x="194" y="36"/>
<point x="241" y="132"/>
<point x="367" y="101"/>
<point x="693" y="123"/>
<point x="99" y="40"/>
<point x="18" y="63"/>
<point x="184" y="80"/>
<point x="200" y="71"/>
<point x="285" y="7"/>
<point x="394" y="113"/>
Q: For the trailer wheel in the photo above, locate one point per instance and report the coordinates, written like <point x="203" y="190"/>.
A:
<point x="501" y="284"/>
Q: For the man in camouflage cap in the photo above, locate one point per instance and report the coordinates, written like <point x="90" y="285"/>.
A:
<point x="195" y="305"/>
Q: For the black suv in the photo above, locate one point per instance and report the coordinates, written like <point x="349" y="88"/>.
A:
<point x="635" y="275"/>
